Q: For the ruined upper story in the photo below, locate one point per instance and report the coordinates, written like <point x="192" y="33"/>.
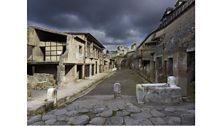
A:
<point x="176" y="30"/>
<point x="46" y="46"/>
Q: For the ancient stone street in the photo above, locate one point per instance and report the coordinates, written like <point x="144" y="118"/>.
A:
<point x="100" y="108"/>
<point x="105" y="110"/>
<point x="126" y="77"/>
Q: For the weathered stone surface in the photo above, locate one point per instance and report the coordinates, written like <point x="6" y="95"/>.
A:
<point x="158" y="121"/>
<point x="34" y="119"/>
<point x="141" y="116"/>
<point x="97" y="121"/>
<point x="169" y="109"/>
<point x="50" y="121"/>
<point x="161" y="95"/>
<point x="71" y="113"/>
<point x="132" y="108"/>
<point x="106" y="113"/>
<point x="62" y="118"/>
<point x="60" y="112"/>
<point x="41" y="80"/>
<point x="79" y="120"/>
<point x="98" y="109"/>
<point x="117" y="90"/>
<point x="82" y="110"/>
<point x="131" y="121"/>
<point x="47" y="117"/>
<point x="122" y="113"/>
<point x="39" y="123"/>
<point x="61" y="123"/>
<point x="156" y="113"/>
<point x="116" y="120"/>
<point x="173" y="120"/>
<point x="188" y="119"/>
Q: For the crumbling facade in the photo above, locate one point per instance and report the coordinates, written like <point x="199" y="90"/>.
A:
<point x="67" y="56"/>
<point x="170" y="49"/>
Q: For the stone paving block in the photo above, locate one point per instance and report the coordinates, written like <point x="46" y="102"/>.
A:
<point x="132" y="108"/>
<point x="173" y="120"/>
<point x="34" y="119"/>
<point x="50" y="121"/>
<point x="62" y="118"/>
<point x="122" y="113"/>
<point x="48" y="116"/>
<point x="188" y="119"/>
<point x="169" y="109"/>
<point x="39" y="123"/>
<point x="158" y="121"/>
<point x="156" y="113"/>
<point x="79" y="120"/>
<point x="97" y="121"/>
<point x="71" y="113"/>
<point x="60" y="112"/>
<point x="82" y="110"/>
<point x="106" y="113"/>
<point x="115" y="120"/>
<point x="141" y="116"/>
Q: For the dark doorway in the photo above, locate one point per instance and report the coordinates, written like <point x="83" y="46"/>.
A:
<point x="92" y="69"/>
<point x="87" y="71"/>
<point x="170" y="66"/>
<point x="96" y="67"/>
<point x="79" y="71"/>
<point x="191" y="73"/>
<point x="165" y="68"/>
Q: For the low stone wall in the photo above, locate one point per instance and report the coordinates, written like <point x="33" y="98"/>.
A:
<point x="163" y="95"/>
<point x="41" y="81"/>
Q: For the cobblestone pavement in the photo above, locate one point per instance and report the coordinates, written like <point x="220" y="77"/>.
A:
<point x="105" y="110"/>
<point x="126" y="77"/>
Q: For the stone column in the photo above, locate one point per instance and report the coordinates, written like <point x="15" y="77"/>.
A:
<point x="180" y="69"/>
<point x="75" y="72"/>
<point x="83" y="71"/>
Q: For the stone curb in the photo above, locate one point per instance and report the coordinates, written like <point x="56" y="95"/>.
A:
<point x="67" y="99"/>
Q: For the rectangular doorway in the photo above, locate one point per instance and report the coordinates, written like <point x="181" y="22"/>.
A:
<point x="191" y="74"/>
<point x="79" y="71"/>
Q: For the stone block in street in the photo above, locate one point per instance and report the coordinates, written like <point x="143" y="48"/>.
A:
<point x="79" y="120"/>
<point x="34" y="119"/>
<point x="122" y="113"/>
<point x="158" y="121"/>
<point x="60" y="112"/>
<point x="106" y="113"/>
<point x="48" y="116"/>
<point x="173" y="120"/>
<point x="156" y="113"/>
<point x="97" y="121"/>
<point x="115" y="120"/>
<point x="132" y="108"/>
<point x="188" y="119"/>
<point x="50" y="121"/>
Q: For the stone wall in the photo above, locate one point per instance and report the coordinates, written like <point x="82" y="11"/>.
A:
<point x="40" y="81"/>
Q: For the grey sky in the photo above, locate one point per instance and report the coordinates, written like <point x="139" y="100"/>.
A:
<point x="110" y="21"/>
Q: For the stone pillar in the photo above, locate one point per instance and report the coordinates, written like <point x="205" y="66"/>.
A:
<point x="60" y="74"/>
<point x="75" y="72"/>
<point x="83" y="71"/>
<point x="180" y="69"/>
<point x="117" y="90"/>
<point x="140" y="93"/>
<point x="52" y="95"/>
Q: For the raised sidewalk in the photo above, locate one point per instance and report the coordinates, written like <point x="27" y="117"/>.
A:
<point x="65" y="95"/>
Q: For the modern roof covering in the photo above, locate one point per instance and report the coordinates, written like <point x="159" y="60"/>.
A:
<point x="89" y="36"/>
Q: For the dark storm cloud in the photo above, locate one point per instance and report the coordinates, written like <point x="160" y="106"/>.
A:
<point x="108" y="20"/>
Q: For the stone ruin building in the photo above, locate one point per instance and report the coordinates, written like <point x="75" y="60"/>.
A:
<point x="170" y="49"/>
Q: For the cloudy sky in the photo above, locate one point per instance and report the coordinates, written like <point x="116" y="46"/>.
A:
<point x="112" y="22"/>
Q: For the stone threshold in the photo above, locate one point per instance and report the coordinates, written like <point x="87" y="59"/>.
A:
<point x="41" y="106"/>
